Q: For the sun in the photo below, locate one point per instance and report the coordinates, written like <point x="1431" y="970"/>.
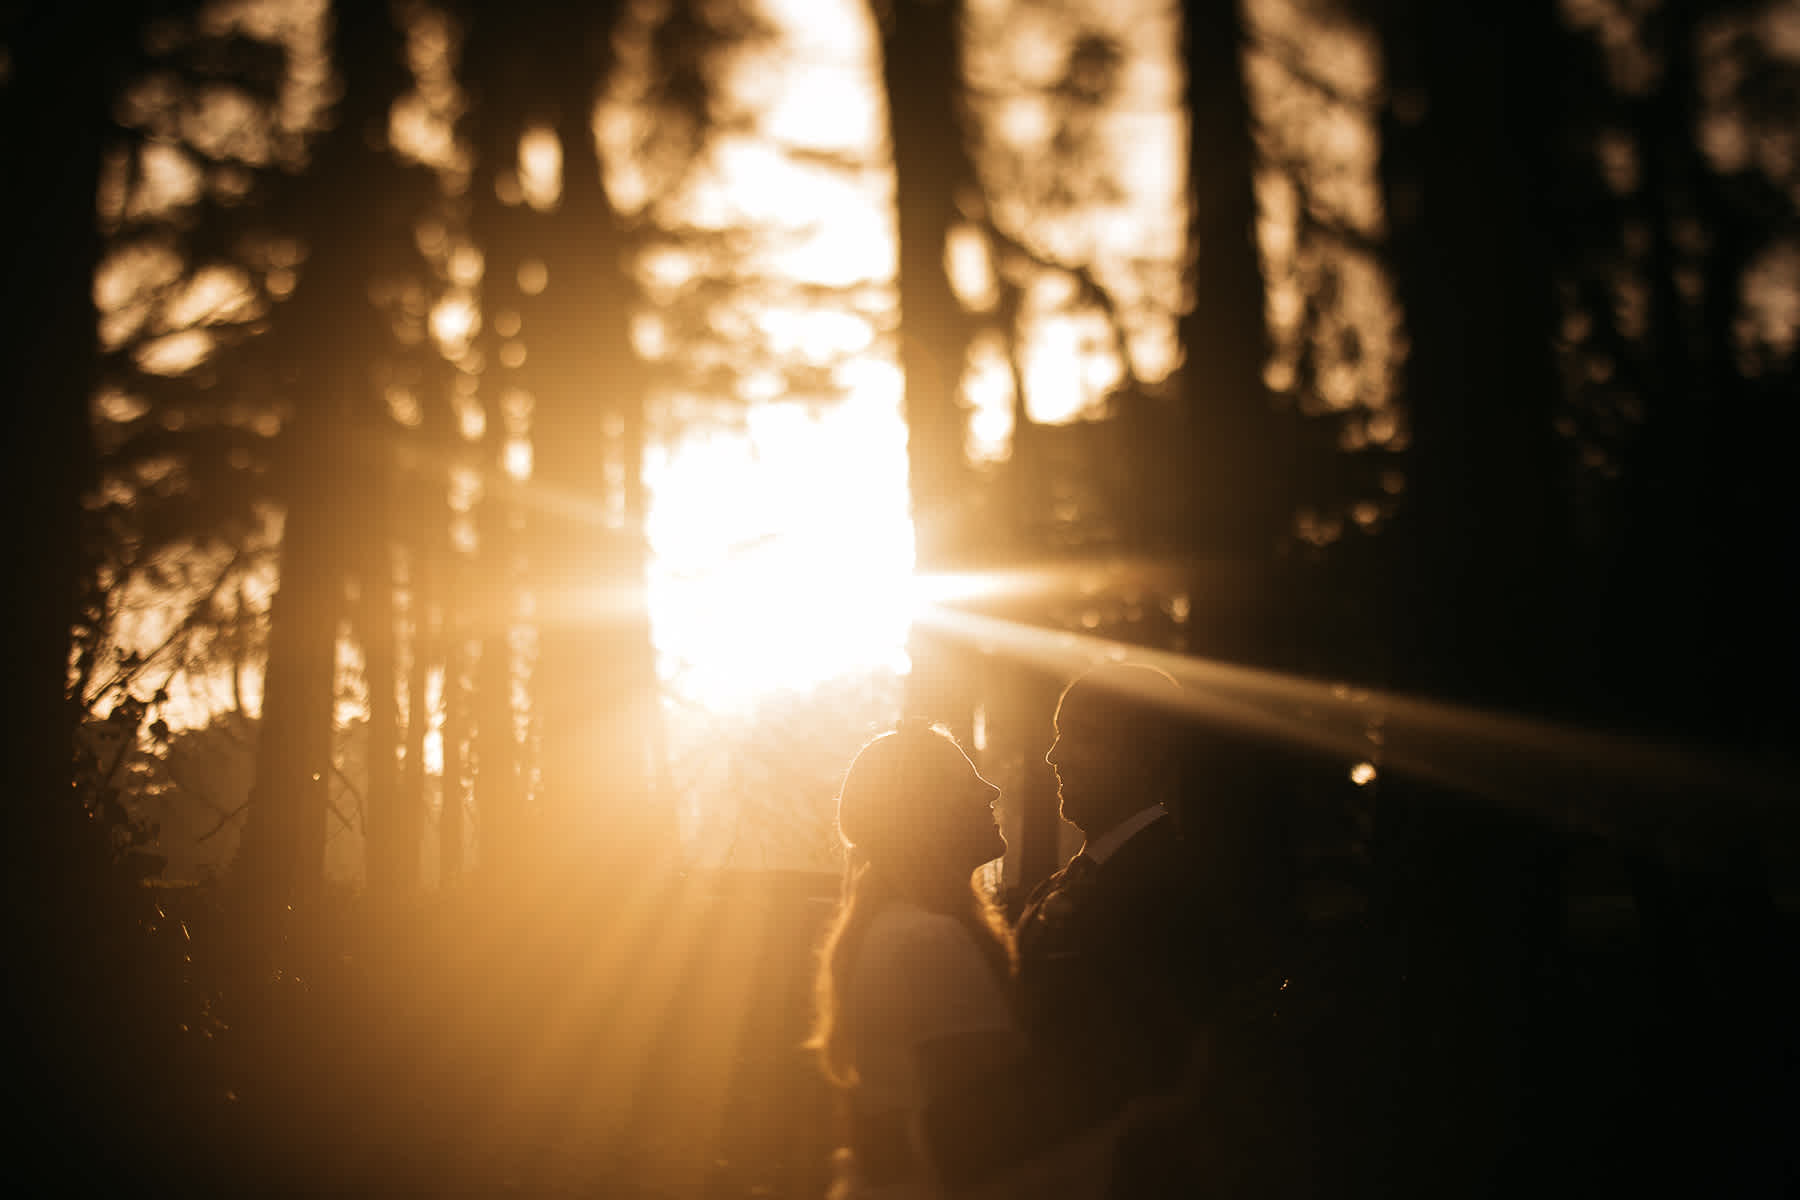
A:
<point x="781" y="549"/>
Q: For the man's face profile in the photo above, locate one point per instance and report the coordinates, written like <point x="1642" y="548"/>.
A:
<point x="1098" y="750"/>
<point x="1084" y="756"/>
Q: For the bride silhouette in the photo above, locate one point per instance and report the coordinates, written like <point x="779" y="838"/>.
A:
<point x="914" y="1019"/>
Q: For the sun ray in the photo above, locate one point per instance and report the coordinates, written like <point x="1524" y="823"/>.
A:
<point x="1561" y="771"/>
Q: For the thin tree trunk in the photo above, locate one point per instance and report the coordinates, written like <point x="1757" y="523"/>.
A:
<point x="55" y="114"/>
<point x="381" y="818"/>
<point x="1700" y="578"/>
<point x="452" y="815"/>
<point x="282" y="855"/>
<point x="1475" y="550"/>
<point x="427" y="651"/>
<point x="498" y="795"/>
<point x="494" y="66"/>
<point x="1478" y="543"/>
<point x="921" y="69"/>
<point x="1240" y="449"/>
<point x="594" y="690"/>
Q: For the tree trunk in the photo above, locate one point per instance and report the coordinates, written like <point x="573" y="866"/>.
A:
<point x="282" y="854"/>
<point x="397" y="870"/>
<point x="1240" y="448"/>
<point x="381" y="803"/>
<point x="55" y="114"/>
<point x="594" y="689"/>
<point x="498" y="795"/>
<point x="1475" y="551"/>
<point x="1477" y="547"/>
<point x="452" y="815"/>
<point x="346" y="206"/>
<point x="921" y="68"/>
<point x="1699" y="575"/>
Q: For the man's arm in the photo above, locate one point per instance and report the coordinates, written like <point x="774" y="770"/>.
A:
<point x="993" y="1105"/>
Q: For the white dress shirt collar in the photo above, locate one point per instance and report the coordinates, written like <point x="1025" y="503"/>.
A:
<point x="1101" y="850"/>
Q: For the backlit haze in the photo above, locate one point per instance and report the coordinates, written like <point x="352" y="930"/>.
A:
<point x="781" y="573"/>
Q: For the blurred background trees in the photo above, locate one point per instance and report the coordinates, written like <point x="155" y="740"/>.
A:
<point x="1282" y="297"/>
<point x="452" y="438"/>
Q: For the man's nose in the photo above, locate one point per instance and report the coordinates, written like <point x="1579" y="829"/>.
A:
<point x="1050" y="754"/>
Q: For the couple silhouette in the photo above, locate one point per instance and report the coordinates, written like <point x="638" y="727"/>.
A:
<point x="1085" y="1050"/>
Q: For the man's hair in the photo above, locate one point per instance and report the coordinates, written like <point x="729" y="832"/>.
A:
<point x="1138" y="704"/>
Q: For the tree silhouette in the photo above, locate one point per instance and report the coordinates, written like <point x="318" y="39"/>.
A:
<point x="56" y="98"/>
<point x="920" y="60"/>
<point x="1477" y="556"/>
<point x="356" y="212"/>
<point x="1243" y="490"/>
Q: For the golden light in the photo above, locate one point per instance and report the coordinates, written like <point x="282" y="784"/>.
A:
<point x="515" y="410"/>
<point x="168" y="179"/>
<point x="175" y="354"/>
<point x="467" y="264"/>
<point x="516" y="458"/>
<point x="214" y="294"/>
<point x="533" y="276"/>
<point x="133" y="270"/>
<point x="970" y="268"/>
<point x="455" y="319"/>
<point x="782" y="550"/>
<point x="465" y="489"/>
<point x="119" y="407"/>
<point x="471" y="418"/>
<point x="404" y="407"/>
<point x="988" y="394"/>
<point x="540" y="167"/>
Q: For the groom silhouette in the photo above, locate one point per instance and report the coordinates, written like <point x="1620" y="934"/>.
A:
<point x="1150" y="966"/>
<point x="1106" y="977"/>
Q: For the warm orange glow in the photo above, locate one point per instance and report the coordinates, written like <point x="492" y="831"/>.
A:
<point x="1067" y="373"/>
<point x="534" y="276"/>
<point x="455" y="320"/>
<point x="777" y="511"/>
<point x="540" y="167"/>
<point x="783" y="551"/>
<point x="1518" y="760"/>
<point x="176" y="354"/>
<point x="404" y="407"/>
<point x="516" y="458"/>
<point x="988" y="394"/>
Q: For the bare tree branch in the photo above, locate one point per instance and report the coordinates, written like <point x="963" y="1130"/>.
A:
<point x="125" y="675"/>
<point x="1087" y="284"/>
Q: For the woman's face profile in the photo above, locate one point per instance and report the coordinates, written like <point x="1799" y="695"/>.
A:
<point x="971" y="826"/>
<point x="923" y="799"/>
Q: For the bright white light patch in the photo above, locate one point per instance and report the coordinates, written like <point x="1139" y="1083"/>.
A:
<point x="782" y="550"/>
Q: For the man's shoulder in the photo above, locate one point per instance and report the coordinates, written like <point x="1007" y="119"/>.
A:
<point x="1154" y="854"/>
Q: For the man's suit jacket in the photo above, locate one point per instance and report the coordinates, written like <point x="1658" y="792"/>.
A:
<point x="1109" y="985"/>
<point x="1130" y="967"/>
